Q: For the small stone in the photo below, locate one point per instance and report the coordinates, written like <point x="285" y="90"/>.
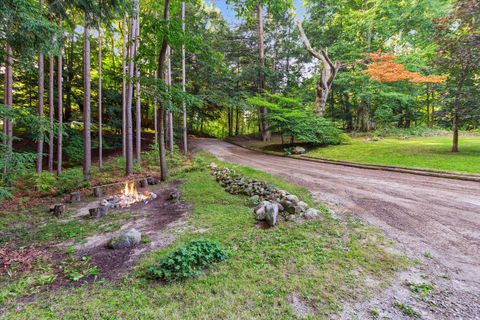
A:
<point x="213" y="166"/>
<point x="302" y="205"/>
<point x="126" y="240"/>
<point x="298" y="150"/>
<point x="311" y="214"/>
<point x="292" y="198"/>
<point x="174" y="195"/>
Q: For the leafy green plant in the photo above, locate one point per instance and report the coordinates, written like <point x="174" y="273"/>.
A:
<point x="406" y="310"/>
<point x="73" y="147"/>
<point x="70" y="180"/>
<point x="423" y="289"/>
<point x="188" y="260"/>
<point x="46" y="182"/>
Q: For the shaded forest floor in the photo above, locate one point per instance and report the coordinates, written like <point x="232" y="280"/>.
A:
<point x="294" y="270"/>
<point x="433" y="152"/>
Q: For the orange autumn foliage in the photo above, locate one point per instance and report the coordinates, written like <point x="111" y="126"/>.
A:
<point x="383" y="68"/>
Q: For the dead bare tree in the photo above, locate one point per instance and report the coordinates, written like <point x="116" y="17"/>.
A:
<point x="328" y="72"/>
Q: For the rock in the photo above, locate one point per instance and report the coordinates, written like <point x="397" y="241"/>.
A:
<point x="271" y="214"/>
<point x="151" y="180"/>
<point x="302" y="205"/>
<point x="260" y="210"/>
<point x="254" y="199"/>
<point x="57" y="210"/>
<point x="174" y="195"/>
<point x="126" y="240"/>
<point x="213" y="166"/>
<point x="98" y="192"/>
<point x="298" y="150"/>
<point x="311" y="214"/>
<point x="292" y="198"/>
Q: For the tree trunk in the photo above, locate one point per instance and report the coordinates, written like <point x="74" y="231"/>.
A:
<point x="100" y="111"/>
<point x="263" y="125"/>
<point x="131" y="70"/>
<point x="169" y="113"/>
<point x="348" y="113"/>
<point x="138" y="105"/>
<point x="161" y="111"/>
<point x="237" y="121"/>
<point x="60" y="114"/>
<point x="87" y="143"/>
<point x="8" y="124"/>
<point x="51" y="112"/>
<point x="184" y="107"/>
<point x="40" y="106"/>
<point x="124" y="88"/>
<point x="68" y="84"/>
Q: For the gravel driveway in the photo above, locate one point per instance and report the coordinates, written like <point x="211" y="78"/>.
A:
<point x="429" y="217"/>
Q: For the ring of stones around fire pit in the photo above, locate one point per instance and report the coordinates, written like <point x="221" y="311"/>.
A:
<point x="273" y="201"/>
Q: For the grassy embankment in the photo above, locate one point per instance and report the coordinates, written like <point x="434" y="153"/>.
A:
<point x="416" y="152"/>
<point x="322" y="263"/>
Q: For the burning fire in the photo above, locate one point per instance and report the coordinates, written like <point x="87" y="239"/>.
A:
<point x="128" y="196"/>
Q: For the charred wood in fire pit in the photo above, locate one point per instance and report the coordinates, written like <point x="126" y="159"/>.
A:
<point x="98" y="192"/>
<point x="98" y="212"/>
<point x="75" y="196"/>
<point x="57" y="210"/>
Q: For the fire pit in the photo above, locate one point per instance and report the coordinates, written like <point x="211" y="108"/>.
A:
<point x="128" y="196"/>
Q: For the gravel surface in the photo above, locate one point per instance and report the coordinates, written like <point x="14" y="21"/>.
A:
<point x="436" y="220"/>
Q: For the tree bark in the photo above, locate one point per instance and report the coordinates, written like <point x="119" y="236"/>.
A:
<point x="455" y="132"/>
<point x="100" y="110"/>
<point x="169" y="113"/>
<point x="184" y="107"/>
<point x="87" y="142"/>
<point x="8" y="124"/>
<point x="51" y="112"/>
<point x="131" y="70"/>
<point x="263" y="125"/>
<point x="124" y="88"/>
<point x="327" y="74"/>
<point x="161" y="111"/>
<point x="138" y="105"/>
<point x="40" y="106"/>
<point x="60" y="114"/>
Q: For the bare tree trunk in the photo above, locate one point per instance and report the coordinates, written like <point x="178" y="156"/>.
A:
<point x="124" y="88"/>
<point x="237" y="121"/>
<point x="169" y="113"/>
<point x="60" y="113"/>
<point x="51" y="112"/>
<point x="100" y="111"/>
<point x="40" y="105"/>
<point x="87" y="142"/>
<point x="327" y="75"/>
<point x="184" y="107"/>
<point x="9" y="97"/>
<point x="263" y="125"/>
<point x="155" y="113"/>
<point x="138" y="105"/>
<point x="161" y="113"/>
<point x="131" y="70"/>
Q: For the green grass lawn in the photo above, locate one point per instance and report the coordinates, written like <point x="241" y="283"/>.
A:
<point x="323" y="263"/>
<point x="419" y="152"/>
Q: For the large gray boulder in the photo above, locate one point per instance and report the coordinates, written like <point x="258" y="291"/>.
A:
<point x="126" y="240"/>
<point x="260" y="211"/>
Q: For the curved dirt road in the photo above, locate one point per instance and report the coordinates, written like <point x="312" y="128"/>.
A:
<point x="431" y="215"/>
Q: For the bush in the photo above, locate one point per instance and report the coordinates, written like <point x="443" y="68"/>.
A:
<point x="73" y="146"/>
<point x="70" y="180"/>
<point x="46" y="182"/>
<point x="188" y="260"/>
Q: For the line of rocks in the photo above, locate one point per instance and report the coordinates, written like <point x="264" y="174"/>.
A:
<point x="273" y="201"/>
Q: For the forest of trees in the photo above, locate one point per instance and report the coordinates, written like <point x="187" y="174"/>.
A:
<point x="83" y="79"/>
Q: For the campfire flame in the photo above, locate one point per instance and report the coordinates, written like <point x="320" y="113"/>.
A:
<point x="128" y="196"/>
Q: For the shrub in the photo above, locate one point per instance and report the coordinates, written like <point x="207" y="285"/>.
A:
<point x="73" y="146"/>
<point x="188" y="261"/>
<point x="46" y="182"/>
<point x="71" y="179"/>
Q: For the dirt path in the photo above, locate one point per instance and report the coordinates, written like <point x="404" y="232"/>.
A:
<point x="427" y="216"/>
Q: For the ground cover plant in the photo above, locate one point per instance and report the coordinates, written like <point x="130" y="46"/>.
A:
<point x="327" y="262"/>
